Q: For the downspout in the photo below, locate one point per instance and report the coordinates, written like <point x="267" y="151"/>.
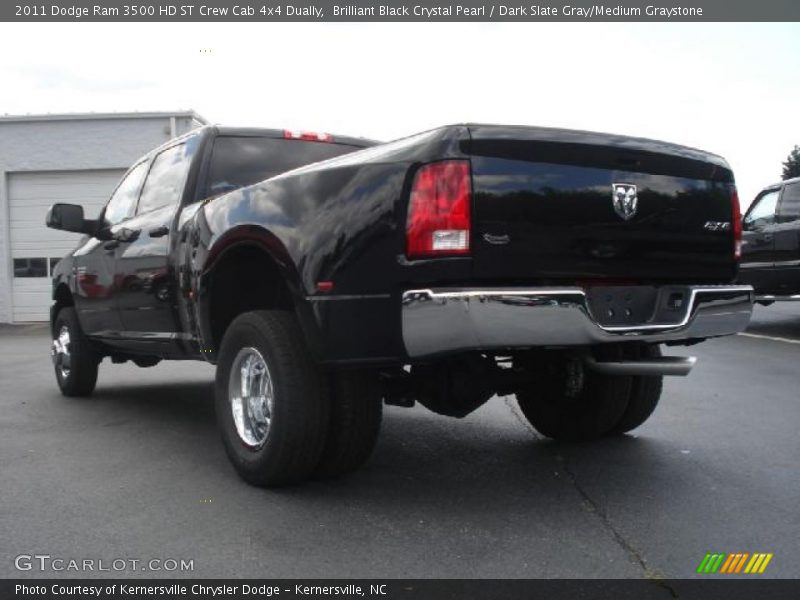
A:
<point x="6" y="269"/>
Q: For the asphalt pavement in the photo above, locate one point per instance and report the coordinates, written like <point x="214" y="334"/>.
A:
<point x="137" y="472"/>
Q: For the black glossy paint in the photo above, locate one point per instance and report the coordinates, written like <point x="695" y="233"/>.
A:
<point x="343" y="221"/>
<point x="131" y="292"/>
<point x="771" y="249"/>
<point x="547" y="195"/>
<point x="557" y="222"/>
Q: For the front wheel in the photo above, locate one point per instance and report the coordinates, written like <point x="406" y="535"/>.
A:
<point x="74" y="358"/>
<point x="567" y="401"/>
<point x="271" y="408"/>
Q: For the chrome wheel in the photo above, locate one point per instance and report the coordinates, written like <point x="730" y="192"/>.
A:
<point x="251" y="397"/>
<point x="61" y="352"/>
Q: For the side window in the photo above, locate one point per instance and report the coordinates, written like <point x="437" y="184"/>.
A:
<point x="763" y="211"/>
<point x="790" y="203"/>
<point x="164" y="183"/>
<point x="123" y="200"/>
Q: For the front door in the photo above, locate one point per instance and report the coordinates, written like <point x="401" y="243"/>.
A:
<point x="758" y="242"/>
<point x="96" y="283"/>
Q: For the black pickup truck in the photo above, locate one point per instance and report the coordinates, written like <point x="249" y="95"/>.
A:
<point x="444" y="268"/>
<point x="771" y="243"/>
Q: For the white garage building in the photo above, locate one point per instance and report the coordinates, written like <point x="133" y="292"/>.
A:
<point x="76" y="158"/>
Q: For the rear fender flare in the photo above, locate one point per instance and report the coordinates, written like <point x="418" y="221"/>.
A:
<point x="263" y="239"/>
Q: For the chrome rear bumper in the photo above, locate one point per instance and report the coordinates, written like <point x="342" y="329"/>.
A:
<point x="441" y="321"/>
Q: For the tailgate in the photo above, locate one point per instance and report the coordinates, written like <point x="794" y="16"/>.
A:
<point x="556" y="205"/>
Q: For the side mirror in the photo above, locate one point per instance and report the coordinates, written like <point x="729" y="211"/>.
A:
<point x="68" y="217"/>
<point x="747" y="224"/>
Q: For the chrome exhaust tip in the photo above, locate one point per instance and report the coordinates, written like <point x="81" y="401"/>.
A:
<point x="679" y="366"/>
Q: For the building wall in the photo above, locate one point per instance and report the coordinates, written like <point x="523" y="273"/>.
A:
<point x="54" y="144"/>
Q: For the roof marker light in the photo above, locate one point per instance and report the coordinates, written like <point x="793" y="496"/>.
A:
<point x="307" y="136"/>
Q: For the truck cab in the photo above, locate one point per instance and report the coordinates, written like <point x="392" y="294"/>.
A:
<point x="127" y="279"/>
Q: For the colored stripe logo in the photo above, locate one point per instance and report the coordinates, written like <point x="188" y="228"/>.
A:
<point x="735" y="563"/>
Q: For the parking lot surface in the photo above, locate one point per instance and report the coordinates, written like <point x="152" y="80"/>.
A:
<point x="137" y="471"/>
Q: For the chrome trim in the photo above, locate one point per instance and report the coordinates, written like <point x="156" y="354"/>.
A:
<point x="437" y="321"/>
<point x="778" y="298"/>
<point x="755" y="265"/>
<point x="60" y="352"/>
<point x="334" y="297"/>
<point x="770" y="265"/>
<point x="679" y="366"/>
<point x="251" y="396"/>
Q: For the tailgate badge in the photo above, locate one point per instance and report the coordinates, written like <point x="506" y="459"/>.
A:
<point x="497" y="240"/>
<point x="625" y="200"/>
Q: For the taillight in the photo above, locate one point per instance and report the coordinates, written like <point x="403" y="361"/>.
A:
<point x="737" y="224"/>
<point x="307" y="136"/>
<point x="439" y="210"/>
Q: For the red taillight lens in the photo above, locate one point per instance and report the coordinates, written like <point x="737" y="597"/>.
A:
<point x="439" y="219"/>
<point x="307" y="136"/>
<point x="737" y="224"/>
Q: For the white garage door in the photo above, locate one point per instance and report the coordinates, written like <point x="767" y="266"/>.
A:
<point x="35" y="249"/>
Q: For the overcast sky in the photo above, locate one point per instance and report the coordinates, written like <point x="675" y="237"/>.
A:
<point x="733" y="89"/>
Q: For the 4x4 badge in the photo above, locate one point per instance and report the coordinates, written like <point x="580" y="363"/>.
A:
<point x="625" y="200"/>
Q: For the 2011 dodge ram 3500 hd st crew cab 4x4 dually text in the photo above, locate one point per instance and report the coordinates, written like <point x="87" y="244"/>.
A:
<point x="443" y="268"/>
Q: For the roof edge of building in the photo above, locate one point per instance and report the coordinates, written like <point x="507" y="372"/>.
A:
<point x="99" y="116"/>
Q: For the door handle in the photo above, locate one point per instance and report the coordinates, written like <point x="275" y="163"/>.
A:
<point x="127" y="236"/>
<point x="767" y="237"/>
<point x="762" y="237"/>
<point x="158" y="232"/>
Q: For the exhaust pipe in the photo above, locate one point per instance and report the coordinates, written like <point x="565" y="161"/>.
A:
<point x="679" y="366"/>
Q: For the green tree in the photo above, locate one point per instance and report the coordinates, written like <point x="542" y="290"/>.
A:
<point x="791" y="168"/>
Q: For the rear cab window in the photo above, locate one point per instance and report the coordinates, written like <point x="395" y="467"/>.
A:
<point x="790" y="203"/>
<point x="238" y="161"/>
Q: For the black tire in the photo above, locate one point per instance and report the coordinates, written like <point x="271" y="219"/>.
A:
<point x="645" y="394"/>
<point x="81" y="360"/>
<point x="355" y="422"/>
<point x="568" y="401"/>
<point x="299" y="413"/>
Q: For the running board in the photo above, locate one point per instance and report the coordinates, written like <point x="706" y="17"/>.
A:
<point x="665" y="365"/>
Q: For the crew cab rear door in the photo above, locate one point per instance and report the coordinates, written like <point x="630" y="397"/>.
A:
<point x="147" y="295"/>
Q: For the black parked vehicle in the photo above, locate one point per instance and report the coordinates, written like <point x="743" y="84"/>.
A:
<point x="771" y="244"/>
<point x="443" y="268"/>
